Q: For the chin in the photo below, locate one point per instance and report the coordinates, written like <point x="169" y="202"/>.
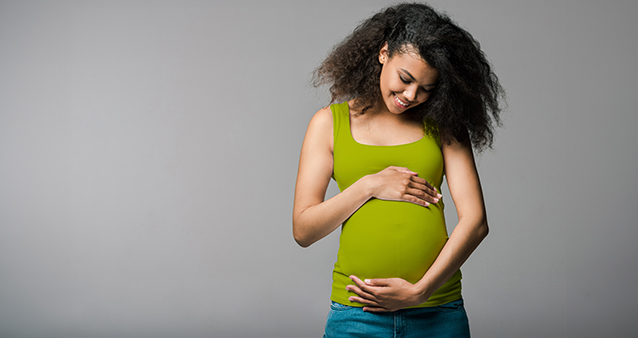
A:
<point x="392" y="108"/>
<point x="396" y="110"/>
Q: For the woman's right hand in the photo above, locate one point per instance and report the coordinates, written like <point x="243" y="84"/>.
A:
<point x="402" y="184"/>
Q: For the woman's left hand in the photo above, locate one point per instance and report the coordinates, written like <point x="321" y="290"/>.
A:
<point x="382" y="295"/>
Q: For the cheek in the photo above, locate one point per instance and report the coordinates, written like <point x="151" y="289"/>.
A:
<point x="395" y="86"/>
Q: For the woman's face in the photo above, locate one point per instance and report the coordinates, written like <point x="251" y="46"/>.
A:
<point x="406" y="80"/>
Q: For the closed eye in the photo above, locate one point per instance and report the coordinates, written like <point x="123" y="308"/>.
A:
<point x="408" y="81"/>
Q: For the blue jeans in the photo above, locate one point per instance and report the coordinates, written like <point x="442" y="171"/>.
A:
<point x="447" y="320"/>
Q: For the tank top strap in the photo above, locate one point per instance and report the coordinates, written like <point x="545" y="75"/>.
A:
<point x="340" y="122"/>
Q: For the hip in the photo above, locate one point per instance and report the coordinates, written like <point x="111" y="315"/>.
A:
<point x="446" y="320"/>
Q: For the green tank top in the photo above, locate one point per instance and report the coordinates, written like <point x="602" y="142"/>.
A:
<point x="385" y="239"/>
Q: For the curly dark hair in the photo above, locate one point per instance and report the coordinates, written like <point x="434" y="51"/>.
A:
<point x="465" y="101"/>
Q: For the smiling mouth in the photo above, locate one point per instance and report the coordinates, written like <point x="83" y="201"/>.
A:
<point x="400" y="102"/>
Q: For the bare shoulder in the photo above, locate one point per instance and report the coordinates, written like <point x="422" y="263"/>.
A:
<point x="316" y="159"/>
<point x="322" y="119"/>
<point x="320" y="128"/>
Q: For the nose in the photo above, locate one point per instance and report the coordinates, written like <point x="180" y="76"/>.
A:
<point x="410" y="93"/>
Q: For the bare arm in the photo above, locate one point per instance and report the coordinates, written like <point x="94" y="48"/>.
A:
<point x="313" y="218"/>
<point x="465" y="188"/>
<point x="463" y="181"/>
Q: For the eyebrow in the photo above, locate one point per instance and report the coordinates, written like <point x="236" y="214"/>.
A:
<point x="413" y="79"/>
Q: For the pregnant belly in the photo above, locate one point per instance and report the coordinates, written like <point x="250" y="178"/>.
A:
<point x="385" y="239"/>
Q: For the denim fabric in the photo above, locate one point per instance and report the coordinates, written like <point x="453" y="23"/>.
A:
<point x="447" y="320"/>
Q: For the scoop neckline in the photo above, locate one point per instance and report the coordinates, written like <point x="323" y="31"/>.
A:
<point x="376" y="145"/>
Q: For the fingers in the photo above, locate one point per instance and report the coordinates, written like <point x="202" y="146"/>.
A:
<point x="364" y="292"/>
<point x="362" y="296"/>
<point x="361" y="284"/>
<point x="363" y="301"/>
<point x="420" y="182"/>
<point x="422" y="194"/>
<point x="433" y="190"/>
<point x="427" y="191"/>
<point x="430" y="186"/>
<point x="413" y="199"/>
<point x="377" y="282"/>
<point x="402" y="184"/>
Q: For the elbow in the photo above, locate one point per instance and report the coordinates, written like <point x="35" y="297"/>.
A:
<point x="301" y="240"/>
<point x="302" y="243"/>
<point x="300" y="236"/>
<point x="483" y="229"/>
<point x="476" y="229"/>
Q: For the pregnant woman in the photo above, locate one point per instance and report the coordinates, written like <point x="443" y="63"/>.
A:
<point x="417" y="94"/>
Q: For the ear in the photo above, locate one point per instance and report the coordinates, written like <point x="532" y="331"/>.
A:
<point x="383" y="54"/>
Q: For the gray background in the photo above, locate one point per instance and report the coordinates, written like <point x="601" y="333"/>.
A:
<point x="148" y="153"/>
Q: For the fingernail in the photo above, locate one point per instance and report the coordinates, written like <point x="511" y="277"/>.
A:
<point x="426" y="204"/>
<point x="436" y="200"/>
<point x="367" y="281"/>
<point x="439" y="195"/>
<point x="350" y="299"/>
